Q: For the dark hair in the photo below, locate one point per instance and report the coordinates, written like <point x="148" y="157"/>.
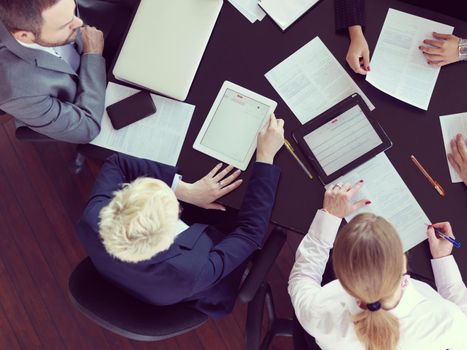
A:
<point x="24" y="14"/>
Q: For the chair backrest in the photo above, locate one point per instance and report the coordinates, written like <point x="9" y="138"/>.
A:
<point x="23" y="133"/>
<point x="121" y="313"/>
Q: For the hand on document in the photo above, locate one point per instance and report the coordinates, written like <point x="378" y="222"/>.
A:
<point x="458" y="157"/>
<point x="358" y="55"/>
<point x="441" y="51"/>
<point x="204" y="192"/>
<point x="338" y="199"/>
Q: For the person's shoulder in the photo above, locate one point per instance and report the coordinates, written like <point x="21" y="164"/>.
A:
<point x="89" y="221"/>
<point x="433" y="323"/>
<point x="333" y="300"/>
<point x="15" y="74"/>
<point x="438" y="313"/>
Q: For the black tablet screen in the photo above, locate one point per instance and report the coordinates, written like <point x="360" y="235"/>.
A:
<point x="342" y="140"/>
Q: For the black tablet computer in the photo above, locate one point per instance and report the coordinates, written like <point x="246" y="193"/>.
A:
<point x="341" y="139"/>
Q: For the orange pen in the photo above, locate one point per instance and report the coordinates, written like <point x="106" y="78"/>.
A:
<point x="434" y="183"/>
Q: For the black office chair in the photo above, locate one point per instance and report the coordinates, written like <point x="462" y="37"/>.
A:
<point x="276" y="326"/>
<point x="121" y="313"/>
<point x="25" y="134"/>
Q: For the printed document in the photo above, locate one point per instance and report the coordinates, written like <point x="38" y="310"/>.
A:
<point x="390" y="198"/>
<point x="451" y="125"/>
<point x="250" y="9"/>
<point x="398" y="66"/>
<point x="311" y="81"/>
<point x="158" y="137"/>
<point x="284" y="13"/>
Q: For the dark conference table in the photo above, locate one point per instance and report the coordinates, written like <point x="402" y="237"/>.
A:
<point x="242" y="52"/>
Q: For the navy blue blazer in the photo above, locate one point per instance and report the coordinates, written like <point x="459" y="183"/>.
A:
<point x="198" y="267"/>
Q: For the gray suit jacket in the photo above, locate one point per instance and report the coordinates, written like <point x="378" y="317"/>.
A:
<point x="43" y="92"/>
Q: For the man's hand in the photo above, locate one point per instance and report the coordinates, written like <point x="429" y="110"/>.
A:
<point x="204" y="192"/>
<point x="337" y="199"/>
<point x="439" y="247"/>
<point x="442" y="51"/>
<point x="270" y="140"/>
<point x="358" y="55"/>
<point x="458" y="157"/>
<point x="93" y="40"/>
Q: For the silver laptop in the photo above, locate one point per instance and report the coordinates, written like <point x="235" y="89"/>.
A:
<point x="165" y="44"/>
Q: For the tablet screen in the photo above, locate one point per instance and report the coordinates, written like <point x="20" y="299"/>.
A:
<point x="235" y="124"/>
<point x="342" y="140"/>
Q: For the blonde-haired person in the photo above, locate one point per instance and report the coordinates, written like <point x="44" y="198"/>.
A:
<point x="373" y="304"/>
<point x="135" y="238"/>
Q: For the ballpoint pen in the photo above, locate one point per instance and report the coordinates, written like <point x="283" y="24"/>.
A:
<point x="434" y="183"/>
<point x="451" y="240"/>
<point x="292" y="152"/>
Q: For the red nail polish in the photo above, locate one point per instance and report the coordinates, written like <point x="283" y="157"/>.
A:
<point x="430" y="226"/>
<point x="361" y="180"/>
<point x="367" y="202"/>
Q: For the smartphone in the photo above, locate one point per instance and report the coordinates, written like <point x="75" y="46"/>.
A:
<point x="131" y="109"/>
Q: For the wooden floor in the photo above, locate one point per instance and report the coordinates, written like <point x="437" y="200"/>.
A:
<point x="40" y="202"/>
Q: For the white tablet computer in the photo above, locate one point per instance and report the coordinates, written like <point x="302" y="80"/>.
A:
<point x="231" y="128"/>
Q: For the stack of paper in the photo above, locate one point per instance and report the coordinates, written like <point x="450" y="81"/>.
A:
<point x="451" y="125"/>
<point x="311" y="81"/>
<point x="398" y="67"/>
<point x="284" y="13"/>
<point x="158" y="137"/>
<point x="250" y="9"/>
<point x="390" y="198"/>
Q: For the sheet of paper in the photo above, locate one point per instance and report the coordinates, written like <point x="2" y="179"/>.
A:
<point x="311" y="81"/>
<point x="390" y="198"/>
<point x="398" y="67"/>
<point x="284" y="13"/>
<point x="158" y="137"/>
<point x="250" y="9"/>
<point x="451" y="125"/>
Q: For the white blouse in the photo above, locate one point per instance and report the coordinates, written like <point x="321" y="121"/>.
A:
<point x="428" y="320"/>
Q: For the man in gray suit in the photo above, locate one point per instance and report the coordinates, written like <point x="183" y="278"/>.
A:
<point x="52" y="72"/>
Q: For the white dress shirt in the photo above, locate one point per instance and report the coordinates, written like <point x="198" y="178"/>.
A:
<point x="66" y="52"/>
<point x="181" y="225"/>
<point x="428" y="320"/>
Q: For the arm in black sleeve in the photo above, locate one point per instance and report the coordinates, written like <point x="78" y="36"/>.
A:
<point x="349" y="13"/>
<point x="252" y="224"/>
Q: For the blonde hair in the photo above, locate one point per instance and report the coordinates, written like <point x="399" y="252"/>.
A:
<point x="368" y="261"/>
<point x="140" y="221"/>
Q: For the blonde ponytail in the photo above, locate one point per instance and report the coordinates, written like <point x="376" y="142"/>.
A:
<point x="368" y="261"/>
<point x="378" y="330"/>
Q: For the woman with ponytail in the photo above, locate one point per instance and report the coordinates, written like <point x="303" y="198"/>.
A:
<point x="373" y="304"/>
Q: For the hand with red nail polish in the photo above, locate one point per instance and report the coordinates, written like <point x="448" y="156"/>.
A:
<point x="338" y="199"/>
<point x="358" y="55"/>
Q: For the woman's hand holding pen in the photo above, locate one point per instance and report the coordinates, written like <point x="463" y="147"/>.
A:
<point x="439" y="247"/>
